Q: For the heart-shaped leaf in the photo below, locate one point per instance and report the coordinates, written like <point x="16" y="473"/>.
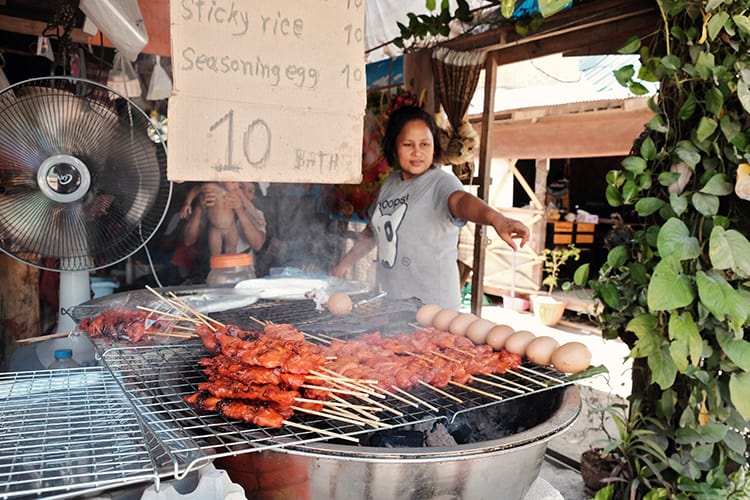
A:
<point x="669" y="289"/>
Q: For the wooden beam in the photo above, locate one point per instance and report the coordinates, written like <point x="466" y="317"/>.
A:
<point x="576" y="19"/>
<point x="36" y="28"/>
<point x="603" y="38"/>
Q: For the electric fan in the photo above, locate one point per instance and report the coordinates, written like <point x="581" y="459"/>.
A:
<point x="82" y="186"/>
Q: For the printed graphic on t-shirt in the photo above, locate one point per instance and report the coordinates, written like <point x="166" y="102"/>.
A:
<point x="386" y="221"/>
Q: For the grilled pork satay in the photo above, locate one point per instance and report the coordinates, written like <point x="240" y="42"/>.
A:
<point x="290" y="356"/>
<point x="248" y="411"/>
<point x="226" y="388"/>
<point x="119" y="324"/>
<point x="225" y="366"/>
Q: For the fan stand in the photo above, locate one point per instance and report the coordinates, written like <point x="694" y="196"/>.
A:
<point x="75" y="289"/>
<point x="66" y="179"/>
<point x="103" y="184"/>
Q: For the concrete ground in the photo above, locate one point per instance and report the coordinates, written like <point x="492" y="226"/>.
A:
<point x="559" y="477"/>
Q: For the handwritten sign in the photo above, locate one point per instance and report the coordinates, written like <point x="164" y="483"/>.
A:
<point x="267" y="91"/>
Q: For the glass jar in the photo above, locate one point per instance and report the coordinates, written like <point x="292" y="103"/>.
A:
<point x="230" y="269"/>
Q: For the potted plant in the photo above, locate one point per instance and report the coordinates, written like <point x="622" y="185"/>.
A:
<point x="634" y="455"/>
<point x="548" y="309"/>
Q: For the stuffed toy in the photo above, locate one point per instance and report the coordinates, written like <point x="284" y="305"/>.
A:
<point x="459" y="145"/>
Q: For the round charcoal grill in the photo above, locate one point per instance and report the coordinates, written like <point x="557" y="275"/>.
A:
<point x="490" y="444"/>
<point x="507" y="447"/>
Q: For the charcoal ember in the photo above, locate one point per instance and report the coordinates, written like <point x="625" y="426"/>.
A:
<point x="398" y="438"/>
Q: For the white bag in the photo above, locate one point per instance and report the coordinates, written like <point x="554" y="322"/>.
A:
<point x="160" y="85"/>
<point x="123" y="78"/>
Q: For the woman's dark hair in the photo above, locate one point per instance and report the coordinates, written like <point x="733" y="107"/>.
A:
<point x="396" y="122"/>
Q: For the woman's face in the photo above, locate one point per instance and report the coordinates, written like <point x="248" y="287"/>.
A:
<point x="415" y="148"/>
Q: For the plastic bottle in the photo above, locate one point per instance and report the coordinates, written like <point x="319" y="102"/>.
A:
<point x="63" y="359"/>
<point x="230" y="269"/>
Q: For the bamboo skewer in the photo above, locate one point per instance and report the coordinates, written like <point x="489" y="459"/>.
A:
<point x="501" y="386"/>
<point x="520" y="375"/>
<point x="328" y="337"/>
<point x="415" y="398"/>
<point x="544" y="375"/>
<point x="366" y="420"/>
<point x="320" y="431"/>
<point x="354" y="380"/>
<point x="32" y="340"/>
<point x="182" y="327"/>
<point x="423" y="358"/>
<point x="200" y="315"/>
<point x="478" y="391"/>
<point x="333" y="389"/>
<point x="452" y="360"/>
<point x="347" y="382"/>
<point x="168" y="334"/>
<point x="166" y="314"/>
<point x="381" y="406"/>
<point x="172" y="304"/>
<point x="253" y="318"/>
<point x="360" y="409"/>
<point x="339" y="403"/>
<point x="396" y="396"/>
<point x="357" y="413"/>
<point x="440" y="391"/>
<point x="462" y="351"/>
<point x="315" y="337"/>
<point x="511" y="382"/>
<point x="359" y="422"/>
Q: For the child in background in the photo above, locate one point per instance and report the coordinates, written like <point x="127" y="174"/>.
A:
<point x="222" y="225"/>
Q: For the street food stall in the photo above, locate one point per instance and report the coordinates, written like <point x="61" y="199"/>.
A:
<point x="367" y="401"/>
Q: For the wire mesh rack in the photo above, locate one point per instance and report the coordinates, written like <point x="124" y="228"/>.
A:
<point x="67" y="431"/>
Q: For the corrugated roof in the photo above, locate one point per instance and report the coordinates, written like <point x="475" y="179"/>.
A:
<point x="555" y="80"/>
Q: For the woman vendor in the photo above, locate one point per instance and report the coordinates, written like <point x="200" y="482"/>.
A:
<point x="416" y="219"/>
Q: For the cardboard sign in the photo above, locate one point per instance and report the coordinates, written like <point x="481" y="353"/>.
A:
<point x="267" y="91"/>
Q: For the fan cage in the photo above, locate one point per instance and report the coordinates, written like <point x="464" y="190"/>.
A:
<point x="48" y="218"/>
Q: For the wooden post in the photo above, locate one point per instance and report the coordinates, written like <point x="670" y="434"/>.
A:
<point x="483" y="187"/>
<point x="19" y="304"/>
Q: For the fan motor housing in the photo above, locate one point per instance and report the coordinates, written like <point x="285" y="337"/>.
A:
<point x="63" y="178"/>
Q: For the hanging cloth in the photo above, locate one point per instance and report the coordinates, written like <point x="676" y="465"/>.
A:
<point x="456" y="77"/>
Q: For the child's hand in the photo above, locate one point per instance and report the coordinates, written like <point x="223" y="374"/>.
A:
<point x="186" y="211"/>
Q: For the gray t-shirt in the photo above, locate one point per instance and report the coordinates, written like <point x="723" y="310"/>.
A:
<point x="418" y="238"/>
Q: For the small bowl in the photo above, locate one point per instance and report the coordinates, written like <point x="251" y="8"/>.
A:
<point x="515" y="303"/>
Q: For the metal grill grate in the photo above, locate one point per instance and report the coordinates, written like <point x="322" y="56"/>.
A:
<point x="67" y="431"/>
<point x="157" y="378"/>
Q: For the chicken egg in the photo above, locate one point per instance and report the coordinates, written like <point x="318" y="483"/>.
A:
<point x="460" y="323"/>
<point x="571" y="357"/>
<point x="540" y="350"/>
<point x="426" y="314"/>
<point x="339" y="304"/>
<point x="517" y="342"/>
<point x="442" y="319"/>
<point x="498" y="335"/>
<point x="478" y="330"/>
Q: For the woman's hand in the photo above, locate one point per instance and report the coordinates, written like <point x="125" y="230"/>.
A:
<point x="510" y="229"/>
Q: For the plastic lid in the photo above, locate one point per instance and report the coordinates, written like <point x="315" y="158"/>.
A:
<point x="63" y="354"/>
<point x="231" y="260"/>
